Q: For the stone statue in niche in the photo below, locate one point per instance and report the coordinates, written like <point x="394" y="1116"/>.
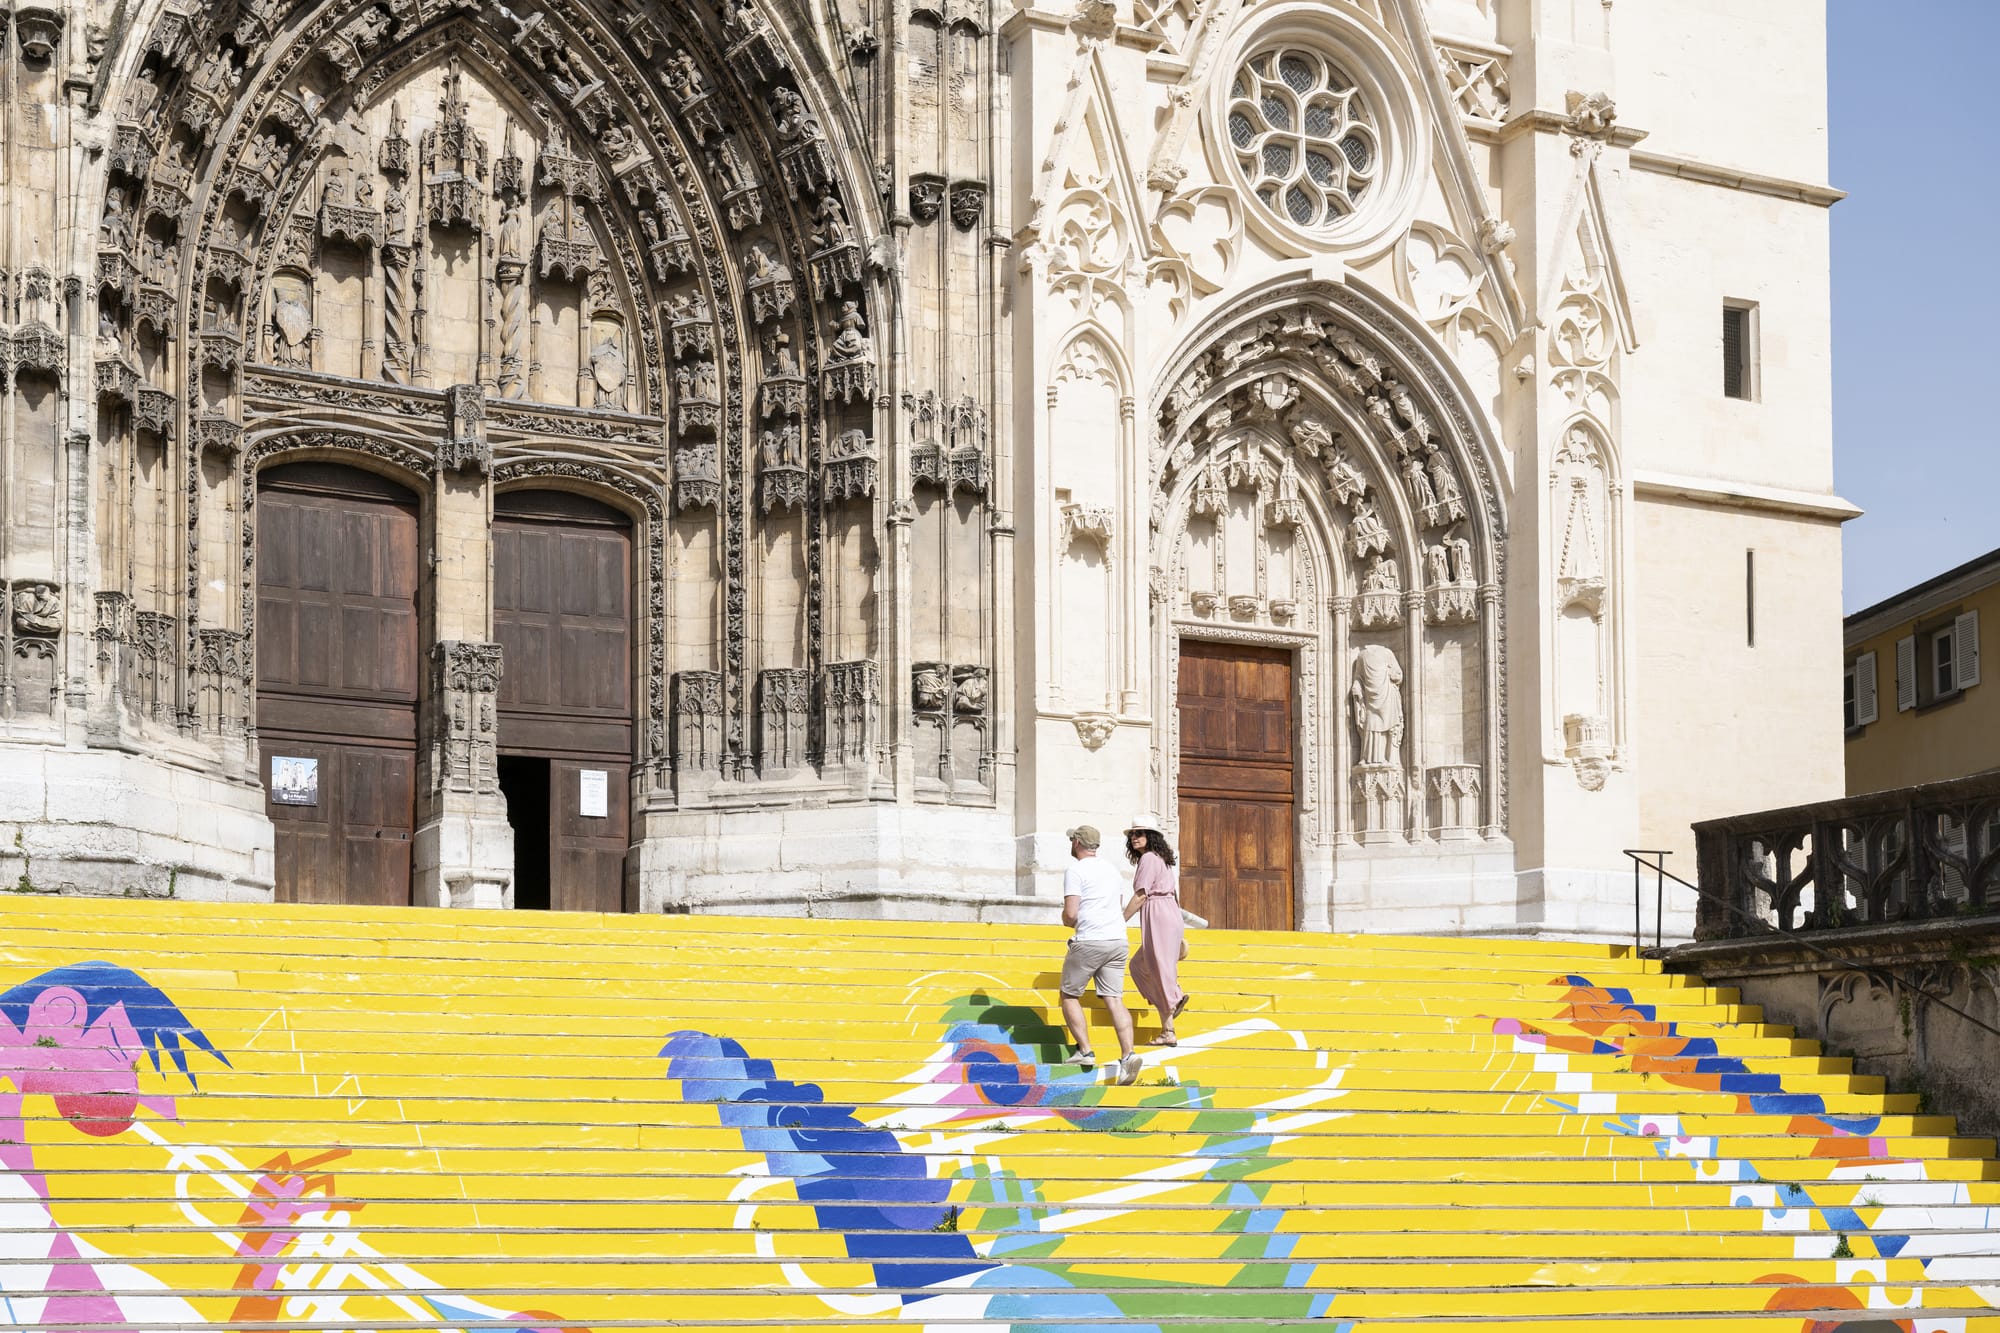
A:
<point x="1382" y="577"/>
<point x="396" y="214"/>
<point x="1380" y="605"/>
<point x="683" y="77"/>
<point x="832" y="227"/>
<point x="851" y="342"/>
<point x="1449" y="500"/>
<point x="792" y="118"/>
<point x="781" y="448"/>
<point x="607" y="368"/>
<point x="1344" y="479"/>
<point x="1312" y="435"/>
<point x="850" y="363"/>
<point x="116" y="228"/>
<point x="970" y="697"/>
<point x="512" y="231"/>
<point x="1370" y="536"/>
<point x="931" y="688"/>
<point x="37" y="609"/>
<point x="1461" y="562"/>
<point x="1421" y="494"/>
<point x="161" y="264"/>
<point x="1377" y="695"/>
<point x="291" y="322"/>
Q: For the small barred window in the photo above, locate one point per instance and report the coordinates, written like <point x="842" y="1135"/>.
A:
<point x="1303" y="136"/>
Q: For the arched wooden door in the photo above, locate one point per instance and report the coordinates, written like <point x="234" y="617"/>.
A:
<point x="562" y="613"/>
<point x="337" y="680"/>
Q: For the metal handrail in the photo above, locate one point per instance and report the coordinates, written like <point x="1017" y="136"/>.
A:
<point x="1764" y="927"/>
<point x="1659" y="866"/>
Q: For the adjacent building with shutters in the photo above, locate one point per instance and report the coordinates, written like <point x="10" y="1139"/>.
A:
<point x="1913" y="705"/>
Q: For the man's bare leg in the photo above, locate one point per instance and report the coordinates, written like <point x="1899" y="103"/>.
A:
<point x="1078" y="1023"/>
<point x="1121" y="1023"/>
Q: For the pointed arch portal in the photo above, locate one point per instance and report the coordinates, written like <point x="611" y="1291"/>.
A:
<point x="1327" y="557"/>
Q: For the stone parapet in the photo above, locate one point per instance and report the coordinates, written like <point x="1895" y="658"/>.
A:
<point x="1856" y="990"/>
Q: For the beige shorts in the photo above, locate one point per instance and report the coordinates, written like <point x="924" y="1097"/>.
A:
<point x="1101" y="960"/>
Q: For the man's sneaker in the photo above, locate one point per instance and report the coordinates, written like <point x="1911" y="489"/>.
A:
<point x="1128" y="1070"/>
<point x="1085" y="1060"/>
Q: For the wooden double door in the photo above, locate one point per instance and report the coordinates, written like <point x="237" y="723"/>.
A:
<point x="1238" y="795"/>
<point x="337" y="680"/>
<point x="339" y="672"/>
<point x="562" y="613"/>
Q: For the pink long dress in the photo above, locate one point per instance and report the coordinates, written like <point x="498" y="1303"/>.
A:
<point x="1156" y="962"/>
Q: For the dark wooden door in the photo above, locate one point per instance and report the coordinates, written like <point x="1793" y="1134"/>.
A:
<point x="562" y="612"/>
<point x="1237" y="797"/>
<point x="337" y="680"/>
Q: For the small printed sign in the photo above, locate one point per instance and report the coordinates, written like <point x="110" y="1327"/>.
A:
<point x="593" y="792"/>
<point x="294" y="780"/>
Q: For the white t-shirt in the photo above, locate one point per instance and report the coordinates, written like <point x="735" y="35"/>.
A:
<point x="1097" y="885"/>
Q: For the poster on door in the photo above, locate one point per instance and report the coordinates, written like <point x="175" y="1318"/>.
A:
<point x="294" y="780"/>
<point x="593" y="793"/>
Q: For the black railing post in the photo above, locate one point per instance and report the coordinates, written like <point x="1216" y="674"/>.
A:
<point x="1659" y="895"/>
<point x="1637" y="937"/>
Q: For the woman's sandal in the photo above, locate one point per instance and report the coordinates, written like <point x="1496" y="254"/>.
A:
<point x="1164" y="1039"/>
<point x="1182" y="1005"/>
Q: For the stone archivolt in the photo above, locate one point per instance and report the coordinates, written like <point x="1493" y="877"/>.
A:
<point x="1317" y="486"/>
<point x="548" y="241"/>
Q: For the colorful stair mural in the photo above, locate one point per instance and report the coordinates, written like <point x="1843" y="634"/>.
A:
<point x="319" y="1118"/>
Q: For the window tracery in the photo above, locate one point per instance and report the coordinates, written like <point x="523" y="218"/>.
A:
<point x="1304" y="135"/>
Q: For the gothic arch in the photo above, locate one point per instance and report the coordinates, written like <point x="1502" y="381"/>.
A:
<point x="1318" y="411"/>
<point x="630" y="253"/>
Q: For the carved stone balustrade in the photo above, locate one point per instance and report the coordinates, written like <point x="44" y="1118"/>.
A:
<point x="1929" y="853"/>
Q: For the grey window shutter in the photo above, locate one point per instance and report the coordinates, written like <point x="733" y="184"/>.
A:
<point x="1965" y="648"/>
<point x="1866" y="708"/>
<point x="1906" y="674"/>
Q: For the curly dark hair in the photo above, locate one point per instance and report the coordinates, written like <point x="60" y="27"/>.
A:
<point x="1156" y="843"/>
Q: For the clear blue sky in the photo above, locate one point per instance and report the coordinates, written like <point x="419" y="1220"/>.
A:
<point x="1916" y="287"/>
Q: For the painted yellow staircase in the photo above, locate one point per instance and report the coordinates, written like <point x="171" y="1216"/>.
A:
<point x="304" y="1118"/>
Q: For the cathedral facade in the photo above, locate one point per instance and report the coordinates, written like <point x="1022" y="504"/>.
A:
<point x="800" y="456"/>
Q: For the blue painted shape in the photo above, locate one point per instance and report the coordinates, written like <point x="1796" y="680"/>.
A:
<point x="837" y="1164"/>
<point x="158" y="1021"/>
<point x="1054" y="1301"/>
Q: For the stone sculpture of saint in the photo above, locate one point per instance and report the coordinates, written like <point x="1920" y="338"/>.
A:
<point x="931" y="689"/>
<point x="1382" y="577"/>
<point x="37" y="609"/>
<point x="1377" y="695"/>
<point x="834" y="229"/>
<point x="1438" y="560"/>
<point x="116" y="228"/>
<point x="1369" y="532"/>
<point x="1461" y="561"/>
<point x="851" y="344"/>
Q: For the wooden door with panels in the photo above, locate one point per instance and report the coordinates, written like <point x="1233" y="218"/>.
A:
<point x="337" y="680"/>
<point x="1238" y="795"/>
<point x="562" y="613"/>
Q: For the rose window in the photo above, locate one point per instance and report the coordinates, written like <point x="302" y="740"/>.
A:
<point x="1303" y="136"/>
